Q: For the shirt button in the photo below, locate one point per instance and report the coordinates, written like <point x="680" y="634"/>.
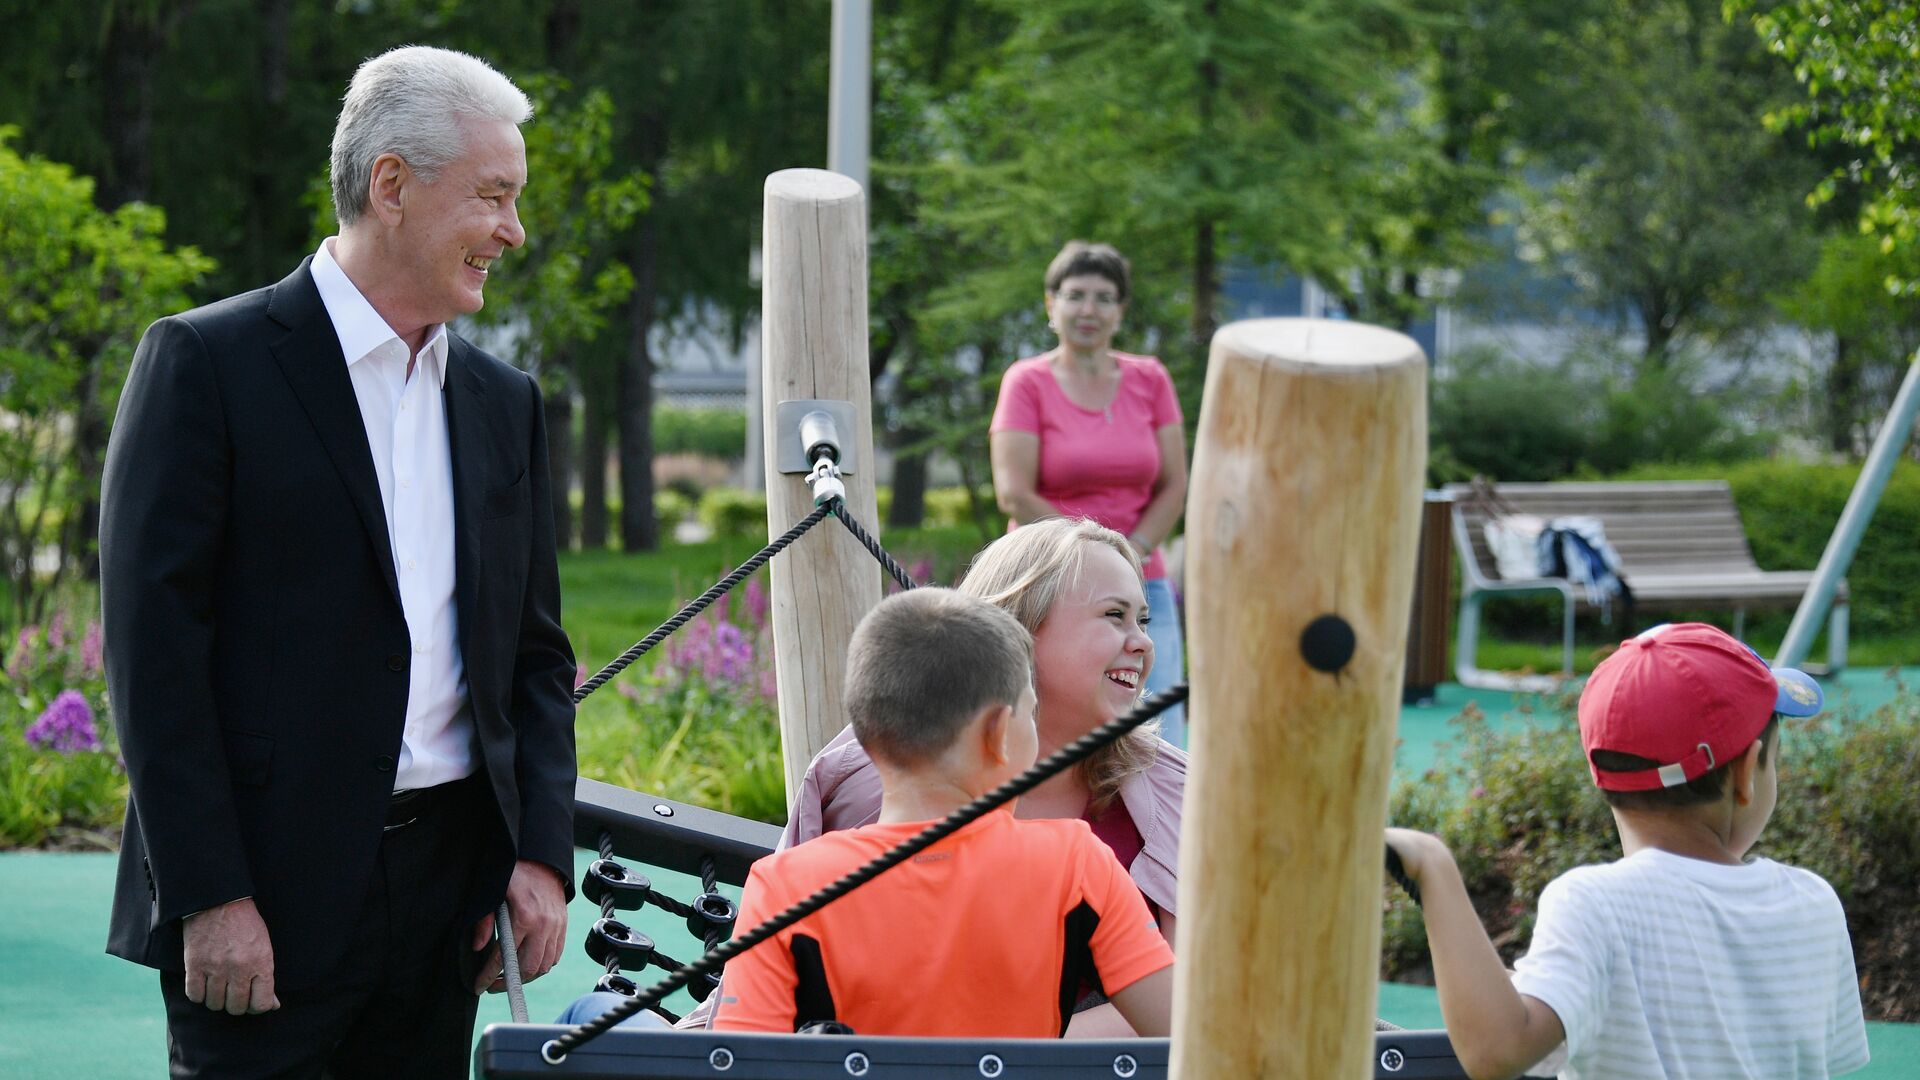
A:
<point x="411" y="564"/>
<point x="406" y="483"/>
<point x="396" y="662"/>
<point x="421" y="649"/>
<point x="383" y="763"/>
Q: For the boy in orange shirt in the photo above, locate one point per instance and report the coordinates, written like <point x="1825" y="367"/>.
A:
<point x="992" y="931"/>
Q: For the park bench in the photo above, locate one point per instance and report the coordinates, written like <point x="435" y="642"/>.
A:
<point x="1681" y="547"/>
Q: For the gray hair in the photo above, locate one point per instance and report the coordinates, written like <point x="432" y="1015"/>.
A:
<point x="923" y="664"/>
<point x="413" y="101"/>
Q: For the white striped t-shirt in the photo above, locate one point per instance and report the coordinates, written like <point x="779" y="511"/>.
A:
<point x="1661" y="966"/>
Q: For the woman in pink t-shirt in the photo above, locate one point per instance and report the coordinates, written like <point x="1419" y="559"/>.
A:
<point x="1084" y="431"/>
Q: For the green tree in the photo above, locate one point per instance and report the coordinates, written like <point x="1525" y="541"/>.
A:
<point x="78" y="285"/>
<point x="1665" y="198"/>
<point x="561" y="287"/>
<point x="1873" y="333"/>
<point x="1860" y="63"/>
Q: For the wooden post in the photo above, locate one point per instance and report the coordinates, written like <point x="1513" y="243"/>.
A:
<point x="1302" y="523"/>
<point x="813" y="333"/>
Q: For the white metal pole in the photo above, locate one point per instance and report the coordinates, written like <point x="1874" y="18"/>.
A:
<point x="849" y="93"/>
<point x="1853" y="520"/>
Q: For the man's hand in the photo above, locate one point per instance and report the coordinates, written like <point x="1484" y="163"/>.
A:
<point x="230" y="960"/>
<point x="538" y="906"/>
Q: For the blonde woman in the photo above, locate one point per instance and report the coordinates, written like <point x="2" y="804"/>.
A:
<point x="1078" y="588"/>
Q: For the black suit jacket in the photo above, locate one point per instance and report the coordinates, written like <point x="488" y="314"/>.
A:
<point x="256" y="650"/>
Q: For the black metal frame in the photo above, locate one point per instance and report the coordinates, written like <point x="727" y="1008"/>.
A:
<point x="653" y="831"/>
<point x="512" y="1052"/>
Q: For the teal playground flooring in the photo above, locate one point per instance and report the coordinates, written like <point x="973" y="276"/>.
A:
<point x="68" y="1010"/>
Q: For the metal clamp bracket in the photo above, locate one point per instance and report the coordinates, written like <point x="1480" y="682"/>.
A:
<point x="809" y="429"/>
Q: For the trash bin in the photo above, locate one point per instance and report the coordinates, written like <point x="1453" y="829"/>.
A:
<point x="1432" y="601"/>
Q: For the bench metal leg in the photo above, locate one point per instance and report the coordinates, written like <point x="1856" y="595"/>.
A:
<point x="1837" y="638"/>
<point x="1467" y="643"/>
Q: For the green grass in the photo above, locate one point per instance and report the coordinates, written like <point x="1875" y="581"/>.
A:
<point x="1593" y="641"/>
<point x="654" y="732"/>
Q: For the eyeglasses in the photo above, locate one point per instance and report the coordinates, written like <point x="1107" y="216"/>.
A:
<point x="1098" y="299"/>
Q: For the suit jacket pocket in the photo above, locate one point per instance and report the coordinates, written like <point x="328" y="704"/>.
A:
<point x="249" y="756"/>
<point x="503" y="501"/>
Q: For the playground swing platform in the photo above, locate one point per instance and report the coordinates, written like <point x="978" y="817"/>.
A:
<point x="652" y="832"/>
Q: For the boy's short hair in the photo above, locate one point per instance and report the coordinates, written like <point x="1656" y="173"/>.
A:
<point x="924" y="663"/>
<point x="1666" y="714"/>
<point x="1710" y="786"/>
<point x="1080" y="257"/>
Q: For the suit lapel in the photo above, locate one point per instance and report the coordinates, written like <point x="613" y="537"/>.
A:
<point x="466" y="438"/>
<point x="310" y="359"/>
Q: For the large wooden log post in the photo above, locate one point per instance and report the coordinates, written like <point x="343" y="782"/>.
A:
<point x="1302" y="524"/>
<point x="813" y="332"/>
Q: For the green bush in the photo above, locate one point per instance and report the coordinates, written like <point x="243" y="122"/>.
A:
<point x="1517" y="809"/>
<point x="715" y="433"/>
<point x="1512" y="419"/>
<point x="733" y="512"/>
<point x="672" y="506"/>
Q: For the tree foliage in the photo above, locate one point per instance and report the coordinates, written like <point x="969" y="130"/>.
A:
<point x="1860" y="63"/>
<point x="78" y="285"/>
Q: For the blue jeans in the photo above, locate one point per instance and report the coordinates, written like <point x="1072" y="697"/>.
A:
<point x="1169" y="656"/>
<point x="591" y="1005"/>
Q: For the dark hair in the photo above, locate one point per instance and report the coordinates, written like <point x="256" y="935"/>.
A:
<point x="1080" y="257"/>
<point x="1708" y="787"/>
<point x="922" y="665"/>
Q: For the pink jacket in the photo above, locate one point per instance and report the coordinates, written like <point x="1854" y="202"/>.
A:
<point x="842" y="791"/>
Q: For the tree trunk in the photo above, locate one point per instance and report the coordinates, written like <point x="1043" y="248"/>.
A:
<point x="909" y="507"/>
<point x="638" y="529"/>
<point x="1843" y="393"/>
<point x="593" y="473"/>
<point x="559" y="417"/>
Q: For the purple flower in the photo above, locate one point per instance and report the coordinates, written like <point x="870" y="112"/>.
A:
<point x="57" y="631"/>
<point x="67" y="725"/>
<point x="22" y="656"/>
<point x="90" y="650"/>
<point x="921" y="570"/>
<point x="757" y="604"/>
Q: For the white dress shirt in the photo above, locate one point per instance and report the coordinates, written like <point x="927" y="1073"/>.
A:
<point x="406" y="423"/>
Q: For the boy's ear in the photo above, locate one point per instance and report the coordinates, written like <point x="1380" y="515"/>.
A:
<point x="1744" y="769"/>
<point x="996" y="732"/>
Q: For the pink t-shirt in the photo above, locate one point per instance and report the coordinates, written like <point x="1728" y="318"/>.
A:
<point x="1094" y="463"/>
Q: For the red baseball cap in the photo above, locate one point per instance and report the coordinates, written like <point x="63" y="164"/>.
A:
<point x="1687" y="695"/>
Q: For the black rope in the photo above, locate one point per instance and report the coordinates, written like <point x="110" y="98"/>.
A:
<point x="699" y="603"/>
<point x="893" y="568"/>
<point x="1071" y="754"/>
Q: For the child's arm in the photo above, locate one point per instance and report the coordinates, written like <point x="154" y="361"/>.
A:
<point x="1496" y="1031"/>
<point x="1147" y="1004"/>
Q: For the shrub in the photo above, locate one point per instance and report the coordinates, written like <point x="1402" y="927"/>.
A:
<point x="672" y="507"/>
<point x="1516" y="420"/>
<point x="733" y="512"/>
<point x="1518" y="810"/>
<point x="715" y="433"/>
<point x="61" y="779"/>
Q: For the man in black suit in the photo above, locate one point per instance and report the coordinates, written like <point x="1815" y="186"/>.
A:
<point x="333" y="621"/>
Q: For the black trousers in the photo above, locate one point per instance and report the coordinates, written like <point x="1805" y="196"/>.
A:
<point x="400" y="1003"/>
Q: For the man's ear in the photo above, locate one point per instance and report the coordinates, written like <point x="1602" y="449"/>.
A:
<point x="1745" y="768"/>
<point x="996" y="733"/>
<point x="387" y="188"/>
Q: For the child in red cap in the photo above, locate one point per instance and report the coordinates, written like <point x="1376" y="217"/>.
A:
<point x="1685" y="958"/>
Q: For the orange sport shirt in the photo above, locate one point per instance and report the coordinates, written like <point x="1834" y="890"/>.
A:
<point x="990" y="932"/>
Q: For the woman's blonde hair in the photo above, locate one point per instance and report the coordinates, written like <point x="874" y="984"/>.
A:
<point x="1024" y="572"/>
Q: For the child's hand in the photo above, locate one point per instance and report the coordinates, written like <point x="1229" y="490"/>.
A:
<point x="1419" y="852"/>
